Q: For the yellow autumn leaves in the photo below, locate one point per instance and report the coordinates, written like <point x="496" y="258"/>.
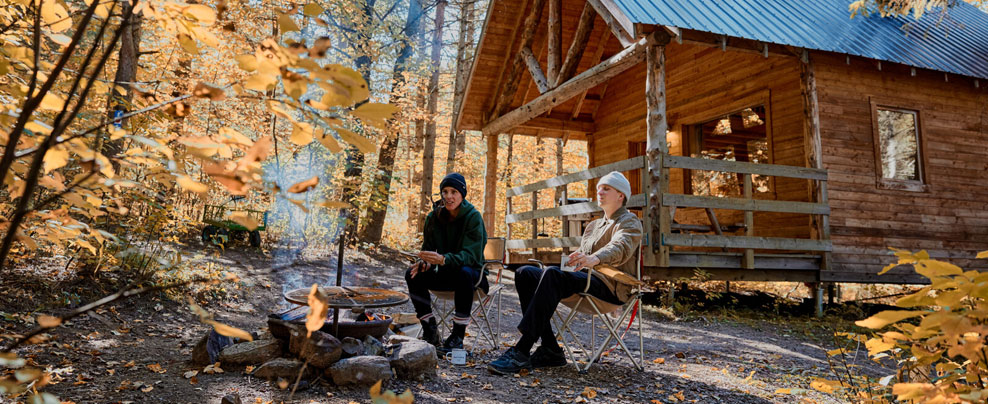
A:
<point x="940" y="331"/>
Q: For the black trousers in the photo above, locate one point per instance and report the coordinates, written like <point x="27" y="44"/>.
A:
<point x="540" y="292"/>
<point x="460" y="281"/>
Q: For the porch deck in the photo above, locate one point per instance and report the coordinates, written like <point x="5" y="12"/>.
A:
<point x="675" y="250"/>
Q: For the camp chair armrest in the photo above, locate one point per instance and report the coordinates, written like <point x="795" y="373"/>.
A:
<point x="586" y="288"/>
<point x="537" y="262"/>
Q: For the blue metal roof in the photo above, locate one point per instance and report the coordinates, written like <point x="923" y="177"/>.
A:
<point x="959" y="44"/>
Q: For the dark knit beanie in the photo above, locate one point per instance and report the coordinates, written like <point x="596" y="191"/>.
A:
<point x="456" y="181"/>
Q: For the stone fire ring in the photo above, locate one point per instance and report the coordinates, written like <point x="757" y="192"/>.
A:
<point x="347" y="297"/>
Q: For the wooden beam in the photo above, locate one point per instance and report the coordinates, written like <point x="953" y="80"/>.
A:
<point x="604" y="71"/>
<point x="767" y="243"/>
<point x="583" y="30"/>
<point x="619" y="24"/>
<point x="507" y="60"/>
<point x="657" y="220"/>
<point x="583" y="126"/>
<point x="755" y="205"/>
<point x="511" y="83"/>
<point x="490" y="183"/>
<point x="742" y="167"/>
<point x="596" y="172"/>
<point x="599" y="53"/>
<point x="555" y="39"/>
<point x="535" y="70"/>
<point x="636" y="201"/>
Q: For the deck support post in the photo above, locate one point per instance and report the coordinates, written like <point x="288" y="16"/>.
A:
<point x="490" y="183"/>
<point x="657" y="220"/>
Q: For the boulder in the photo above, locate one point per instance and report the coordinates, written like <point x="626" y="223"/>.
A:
<point x="373" y="346"/>
<point x="352" y="347"/>
<point x="232" y="398"/>
<point x="298" y="336"/>
<point x="360" y="370"/>
<point x="279" y="367"/>
<point x="399" y="339"/>
<point x="413" y="359"/>
<point x="321" y="349"/>
<point x="251" y="353"/>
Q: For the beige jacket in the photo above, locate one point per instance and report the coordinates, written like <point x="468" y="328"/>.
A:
<point x="614" y="241"/>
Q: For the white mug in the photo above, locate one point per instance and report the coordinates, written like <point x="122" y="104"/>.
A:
<point x="459" y="356"/>
<point x="563" y="261"/>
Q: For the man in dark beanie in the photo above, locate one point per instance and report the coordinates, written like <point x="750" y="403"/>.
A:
<point x="451" y="259"/>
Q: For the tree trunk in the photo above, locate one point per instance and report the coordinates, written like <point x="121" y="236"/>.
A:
<point x="354" y="158"/>
<point x="462" y="70"/>
<point x="429" y="143"/>
<point x="377" y="209"/>
<point x="126" y="74"/>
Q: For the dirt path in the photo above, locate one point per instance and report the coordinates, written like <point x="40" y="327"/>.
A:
<point x="138" y="352"/>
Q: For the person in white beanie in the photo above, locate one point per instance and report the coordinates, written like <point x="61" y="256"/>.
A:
<point x="612" y="240"/>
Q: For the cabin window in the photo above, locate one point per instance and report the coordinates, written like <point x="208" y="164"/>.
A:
<point x="739" y="136"/>
<point x="898" y="143"/>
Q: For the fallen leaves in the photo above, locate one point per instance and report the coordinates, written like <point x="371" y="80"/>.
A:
<point x="156" y="368"/>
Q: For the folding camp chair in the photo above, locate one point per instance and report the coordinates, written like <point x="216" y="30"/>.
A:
<point x="585" y="303"/>
<point x="480" y="314"/>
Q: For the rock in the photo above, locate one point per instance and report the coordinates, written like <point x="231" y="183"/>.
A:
<point x="414" y="358"/>
<point x="280" y="328"/>
<point x="298" y="337"/>
<point x="352" y="347"/>
<point x="251" y="353"/>
<point x="321" y="350"/>
<point x="279" y="367"/>
<point x="373" y="346"/>
<point x="207" y="350"/>
<point x="231" y="399"/>
<point x="363" y="370"/>
<point x="399" y="339"/>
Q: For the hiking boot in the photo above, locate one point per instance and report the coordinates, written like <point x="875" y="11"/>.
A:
<point x="452" y="342"/>
<point x="430" y="334"/>
<point x="511" y="361"/>
<point x="545" y="357"/>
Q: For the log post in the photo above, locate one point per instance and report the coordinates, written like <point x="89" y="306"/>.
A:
<point x="604" y="71"/>
<point x="555" y="40"/>
<point x="820" y="224"/>
<point x="533" y="67"/>
<point x="490" y="183"/>
<point x="748" y="260"/>
<point x="656" y="148"/>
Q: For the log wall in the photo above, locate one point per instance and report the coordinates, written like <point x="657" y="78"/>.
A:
<point x="949" y="218"/>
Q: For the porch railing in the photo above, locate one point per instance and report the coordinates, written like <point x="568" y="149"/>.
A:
<point x="677" y="235"/>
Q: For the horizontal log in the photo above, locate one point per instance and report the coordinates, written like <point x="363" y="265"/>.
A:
<point x="733" y="260"/>
<point x="753" y="205"/>
<point x="583" y="126"/>
<point x="596" y="172"/>
<point x="636" y="201"/>
<point x="559" y="242"/>
<point x="771" y="243"/>
<point x="617" y="64"/>
<point x="744" y="167"/>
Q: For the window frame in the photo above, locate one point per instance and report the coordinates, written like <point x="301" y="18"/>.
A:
<point x="919" y="185"/>
<point x="692" y="137"/>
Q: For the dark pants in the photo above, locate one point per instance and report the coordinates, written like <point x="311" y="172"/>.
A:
<point x="540" y="293"/>
<point x="460" y="281"/>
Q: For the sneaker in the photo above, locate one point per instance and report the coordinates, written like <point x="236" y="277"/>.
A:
<point x="511" y="361"/>
<point x="545" y="357"/>
<point x="452" y="342"/>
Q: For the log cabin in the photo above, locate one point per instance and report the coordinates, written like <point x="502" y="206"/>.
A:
<point x="766" y="140"/>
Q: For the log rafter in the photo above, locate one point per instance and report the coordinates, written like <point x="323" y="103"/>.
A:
<point x="583" y="30"/>
<point x="600" y="73"/>
<point x="511" y="81"/>
<point x="535" y="70"/>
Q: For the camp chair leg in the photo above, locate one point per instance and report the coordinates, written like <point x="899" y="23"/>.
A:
<point x="614" y="335"/>
<point x="564" y="328"/>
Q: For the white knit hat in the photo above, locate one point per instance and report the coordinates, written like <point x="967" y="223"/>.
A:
<point x="617" y="181"/>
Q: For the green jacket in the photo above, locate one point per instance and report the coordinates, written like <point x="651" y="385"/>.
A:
<point x="461" y="240"/>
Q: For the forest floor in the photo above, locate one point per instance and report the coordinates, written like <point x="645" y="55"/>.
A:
<point x="138" y="350"/>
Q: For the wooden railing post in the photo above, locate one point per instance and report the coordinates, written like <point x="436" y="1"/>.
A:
<point x="749" y="224"/>
<point x="656" y="147"/>
<point x="535" y="222"/>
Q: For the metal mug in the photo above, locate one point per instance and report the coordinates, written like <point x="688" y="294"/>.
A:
<point x="457" y="356"/>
